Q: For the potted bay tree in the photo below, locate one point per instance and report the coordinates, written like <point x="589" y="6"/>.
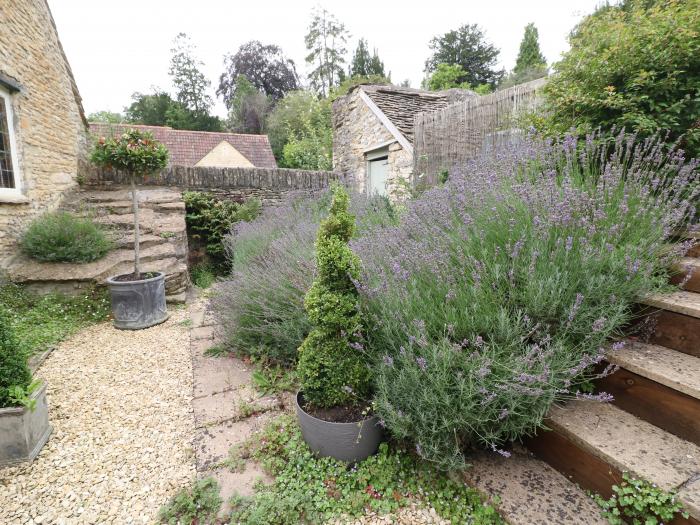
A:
<point x="332" y="403"/>
<point x="138" y="298"/>
<point x="24" y="415"/>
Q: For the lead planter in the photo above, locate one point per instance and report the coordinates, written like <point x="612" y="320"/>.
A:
<point x="23" y="432"/>
<point x="344" y="441"/>
<point x="138" y="304"/>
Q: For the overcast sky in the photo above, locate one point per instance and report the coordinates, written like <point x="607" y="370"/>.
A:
<point x="118" y="47"/>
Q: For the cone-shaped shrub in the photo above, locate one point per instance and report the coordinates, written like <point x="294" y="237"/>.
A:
<point x="14" y="371"/>
<point x="331" y="369"/>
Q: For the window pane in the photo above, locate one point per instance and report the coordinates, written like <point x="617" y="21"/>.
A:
<point x="7" y="176"/>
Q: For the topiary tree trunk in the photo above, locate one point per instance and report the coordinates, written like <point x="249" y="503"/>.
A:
<point x="137" y="232"/>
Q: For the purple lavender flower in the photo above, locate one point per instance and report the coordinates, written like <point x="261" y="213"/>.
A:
<point x="618" y="345"/>
<point x="422" y="363"/>
<point x="503" y="414"/>
<point x="598" y="324"/>
<point x="388" y="360"/>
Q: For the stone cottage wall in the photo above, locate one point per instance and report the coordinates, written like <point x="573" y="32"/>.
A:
<point x="48" y="122"/>
<point x="355" y="129"/>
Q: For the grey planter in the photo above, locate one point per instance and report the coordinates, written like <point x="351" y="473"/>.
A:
<point x="23" y="432"/>
<point x="344" y="441"/>
<point x="138" y="304"/>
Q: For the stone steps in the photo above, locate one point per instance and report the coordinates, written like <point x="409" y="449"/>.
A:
<point x="677" y="321"/>
<point x="692" y="265"/>
<point x="594" y="443"/>
<point x="659" y="385"/>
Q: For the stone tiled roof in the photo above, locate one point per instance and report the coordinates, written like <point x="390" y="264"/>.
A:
<point x="186" y="148"/>
<point x="400" y="105"/>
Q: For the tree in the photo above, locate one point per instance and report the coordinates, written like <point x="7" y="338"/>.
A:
<point x="108" y="117"/>
<point x="447" y="76"/>
<point x="150" y="109"/>
<point x="248" y="109"/>
<point x="265" y="67"/>
<point x="529" y="57"/>
<point x="467" y="47"/>
<point x="364" y="64"/>
<point x="637" y="67"/>
<point x="325" y="42"/>
<point x="189" y="81"/>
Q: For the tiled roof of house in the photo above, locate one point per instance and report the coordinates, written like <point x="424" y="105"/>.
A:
<point x="186" y="148"/>
<point x="400" y="105"/>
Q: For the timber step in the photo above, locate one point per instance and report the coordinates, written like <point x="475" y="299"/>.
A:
<point x="677" y="321"/>
<point x="530" y="491"/>
<point x="594" y="443"/>
<point x="681" y="302"/>
<point x="659" y="385"/>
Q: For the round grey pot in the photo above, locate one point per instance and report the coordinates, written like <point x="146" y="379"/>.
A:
<point x="138" y="304"/>
<point x="344" y="441"/>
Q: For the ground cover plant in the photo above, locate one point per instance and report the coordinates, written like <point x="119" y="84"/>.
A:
<point x="197" y="504"/>
<point x="15" y="376"/>
<point x="62" y="237"/>
<point x="261" y="304"/>
<point x="41" y="321"/>
<point x="498" y="292"/>
<point x="314" y="490"/>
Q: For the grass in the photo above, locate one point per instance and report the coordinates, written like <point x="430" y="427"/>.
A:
<point x="42" y="321"/>
<point x="203" y="275"/>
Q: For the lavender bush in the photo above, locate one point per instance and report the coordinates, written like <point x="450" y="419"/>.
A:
<point x="261" y="305"/>
<point x="498" y="293"/>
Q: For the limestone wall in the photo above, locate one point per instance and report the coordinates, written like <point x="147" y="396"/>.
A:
<point x="48" y="123"/>
<point x="267" y="184"/>
<point x="355" y="130"/>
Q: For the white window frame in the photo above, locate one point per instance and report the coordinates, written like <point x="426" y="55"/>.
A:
<point x="14" y="152"/>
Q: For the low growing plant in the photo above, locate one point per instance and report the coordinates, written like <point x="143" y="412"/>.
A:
<point x="638" y="502"/>
<point x="15" y="376"/>
<point x="308" y="489"/>
<point x="500" y="291"/>
<point x="197" y="504"/>
<point x="332" y="370"/>
<point x="203" y="275"/>
<point x="62" y="237"/>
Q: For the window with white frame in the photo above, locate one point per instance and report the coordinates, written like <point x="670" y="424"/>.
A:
<point x="9" y="172"/>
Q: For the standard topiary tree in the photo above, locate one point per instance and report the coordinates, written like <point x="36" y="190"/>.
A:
<point x="139" y="154"/>
<point x="14" y="370"/>
<point x="331" y="369"/>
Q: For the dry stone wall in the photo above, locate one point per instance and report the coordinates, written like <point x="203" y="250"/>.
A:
<point x="48" y="122"/>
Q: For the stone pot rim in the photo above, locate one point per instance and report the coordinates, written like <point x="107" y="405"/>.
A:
<point x="351" y="423"/>
<point x="111" y="280"/>
<point x="19" y="410"/>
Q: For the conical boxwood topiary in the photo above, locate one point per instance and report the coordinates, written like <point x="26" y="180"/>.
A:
<point x="14" y="370"/>
<point x="331" y="369"/>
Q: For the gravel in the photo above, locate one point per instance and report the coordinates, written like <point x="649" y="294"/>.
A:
<point x="411" y="515"/>
<point x="120" y="406"/>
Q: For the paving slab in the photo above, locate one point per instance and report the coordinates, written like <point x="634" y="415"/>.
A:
<point x="668" y="367"/>
<point x="531" y="492"/>
<point x="213" y="375"/>
<point x="203" y="332"/>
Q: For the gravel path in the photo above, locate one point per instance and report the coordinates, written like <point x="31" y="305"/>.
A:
<point x="120" y="406"/>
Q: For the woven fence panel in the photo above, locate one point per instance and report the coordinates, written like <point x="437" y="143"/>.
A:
<point x="450" y="137"/>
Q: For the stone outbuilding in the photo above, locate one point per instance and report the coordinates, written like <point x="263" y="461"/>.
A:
<point x="373" y="134"/>
<point x="42" y="124"/>
<point x="203" y="148"/>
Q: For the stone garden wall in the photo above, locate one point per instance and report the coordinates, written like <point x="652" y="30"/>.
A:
<point x="237" y="184"/>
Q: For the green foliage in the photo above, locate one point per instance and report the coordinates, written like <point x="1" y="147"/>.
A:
<point x="41" y="321"/>
<point x="311" y="152"/>
<point x="61" y="236"/>
<point x="189" y="81"/>
<point x="637" y="66"/>
<point x="159" y="109"/>
<point x="325" y="43"/>
<point x="203" y="275"/>
<point x="312" y="490"/>
<point x="363" y="64"/>
<point x="348" y="83"/>
<point x="197" y="504"/>
<point x="638" y="502"/>
<point x="467" y="47"/>
<point x="273" y="379"/>
<point x="107" y="117"/>
<point x="446" y="76"/>
<point x="15" y="376"/>
<point x="529" y="56"/>
<point x="135" y="152"/>
<point x="248" y="108"/>
<point x="331" y="370"/>
<point x="209" y="219"/>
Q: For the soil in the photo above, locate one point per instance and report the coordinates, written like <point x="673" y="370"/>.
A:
<point x="351" y="414"/>
<point x="128" y="277"/>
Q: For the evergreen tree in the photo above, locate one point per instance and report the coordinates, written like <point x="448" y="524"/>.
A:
<point x="363" y="64"/>
<point x="325" y="42"/>
<point x="530" y="57"/>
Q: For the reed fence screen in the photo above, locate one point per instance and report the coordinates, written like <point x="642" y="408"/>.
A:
<point x="450" y="137"/>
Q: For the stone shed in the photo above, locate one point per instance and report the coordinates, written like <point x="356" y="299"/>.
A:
<point x="43" y="131"/>
<point x="373" y="134"/>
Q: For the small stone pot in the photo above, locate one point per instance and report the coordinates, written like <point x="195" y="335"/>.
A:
<point x="344" y="441"/>
<point x="138" y="304"/>
<point x="24" y="432"/>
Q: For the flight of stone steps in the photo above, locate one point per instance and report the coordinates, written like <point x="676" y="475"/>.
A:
<point x="163" y="243"/>
<point x="652" y="428"/>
